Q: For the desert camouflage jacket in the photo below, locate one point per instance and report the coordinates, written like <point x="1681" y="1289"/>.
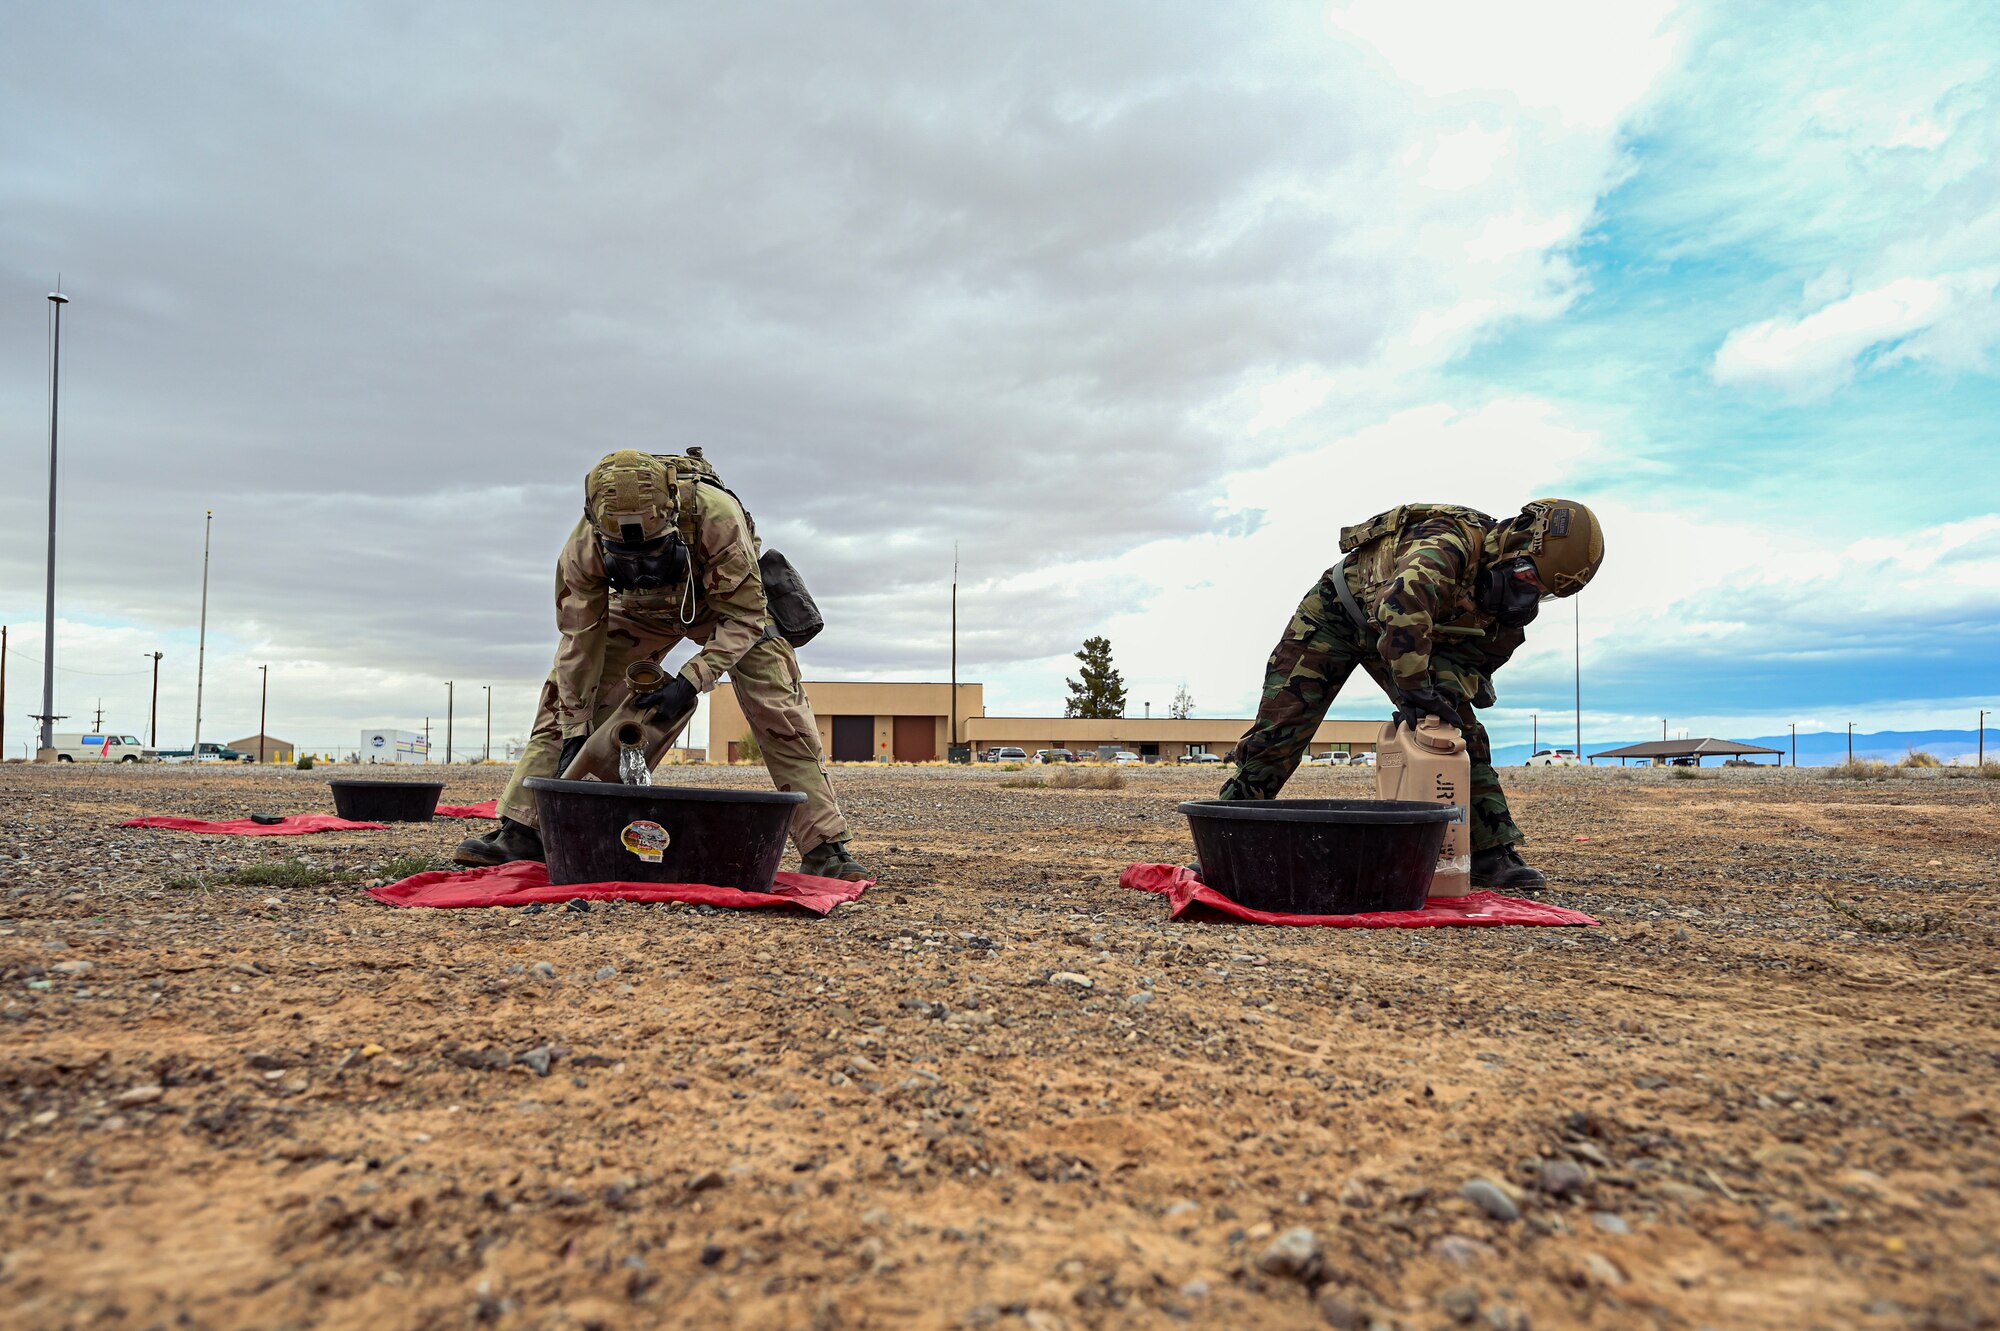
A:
<point x="725" y="613"/>
<point x="1417" y="581"/>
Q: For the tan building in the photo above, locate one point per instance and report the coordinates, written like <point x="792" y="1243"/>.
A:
<point x="1155" y="739"/>
<point x="911" y="723"/>
<point x="275" y="750"/>
<point x="859" y="723"/>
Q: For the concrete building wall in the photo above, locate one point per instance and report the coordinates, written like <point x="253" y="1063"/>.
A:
<point x="925" y="708"/>
<point x="1158" y="737"/>
<point x="275" y="750"/>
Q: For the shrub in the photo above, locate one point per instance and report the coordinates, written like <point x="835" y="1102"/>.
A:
<point x="1093" y="778"/>
<point x="1919" y="758"/>
<point x="752" y="751"/>
<point x="305" y="762"/>
<point x="1685" y="773"/>
<point x="1863" y="770"/>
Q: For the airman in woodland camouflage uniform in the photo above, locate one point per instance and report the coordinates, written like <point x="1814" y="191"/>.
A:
<point x="665" y="552"/>
<point x="1430" y="600"/>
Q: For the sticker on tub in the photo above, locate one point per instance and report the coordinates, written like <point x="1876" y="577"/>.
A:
<point x="646" y="840"/>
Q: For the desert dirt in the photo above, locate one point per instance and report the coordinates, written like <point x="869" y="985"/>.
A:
<point x="1762" y="1095"/>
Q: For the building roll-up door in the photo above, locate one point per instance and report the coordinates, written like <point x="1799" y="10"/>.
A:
<point x="853" y="739"/>
<point x="916" y="739"/>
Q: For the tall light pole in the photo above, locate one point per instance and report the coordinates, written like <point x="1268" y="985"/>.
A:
<point x="263" y="704"/>
<point x="201" y="651"/>
<point x="1795" y="744"/>
<point x="1982" y="723"/>
<point x="1535" y="724"/>
<point x="952" y="743"/>
<point x="486" y="749"/>
<point x="448" y="686"/>
<point x="154" y="740"/>
<point x="3" y="693"/>
<point x="1850" y="743"/>
<point x="48" y="718"/>
<point x="1576" y="647"/>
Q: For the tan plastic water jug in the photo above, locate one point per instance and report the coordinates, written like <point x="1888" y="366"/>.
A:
<point x="1429" y="763"/>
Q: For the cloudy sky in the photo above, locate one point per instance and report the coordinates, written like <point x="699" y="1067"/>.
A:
<point x="1134" y="304"/>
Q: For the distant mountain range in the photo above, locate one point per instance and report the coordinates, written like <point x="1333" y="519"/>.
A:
<point x="1818" y="749"/>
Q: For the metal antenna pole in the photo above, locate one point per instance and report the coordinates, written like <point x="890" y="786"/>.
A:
<point x="48" y="717"/>
<point x="201" y="650"/>
<point x="155" y="740"/>
<point x="447" y="721"/>
<point x="1576" y="645"/>
<point x="263" y="705"/>
<point x="3" y="692"/>
<point x="953" y="742"/>
<point x="1850" y="743"/>
<point x="1795" y="744"/>
<point x="486" y="749"/>
<point x="1982" y="722"/>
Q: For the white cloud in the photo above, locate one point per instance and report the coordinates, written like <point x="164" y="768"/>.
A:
<point x="1815" y="353"/>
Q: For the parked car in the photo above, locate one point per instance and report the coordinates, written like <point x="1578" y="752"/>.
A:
<point x="1553" y="758"/>
<point x="1007" y="755"/>
<point x="210" y="753"/>
<point x="1326" y="760"/>
<point x="1126" y="758"/>
<point x="1360" y="760"/>
<point x="1053" y="756"/>
<point x="1199" y="758"/>
<point x="102" y="747"/>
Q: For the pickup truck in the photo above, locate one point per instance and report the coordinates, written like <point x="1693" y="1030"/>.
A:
<point x="210" y="753"/>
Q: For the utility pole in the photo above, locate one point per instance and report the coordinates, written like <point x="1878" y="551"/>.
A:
<point x="1795" y="744"/>
<point x="154" y="740"/>
<point x="1535" y="724"/>
<point x="1850" y="742"/>
<point x="1663" y="730"/>
<point x="263" y="704"/>
<point x="448" y="686"/>
<point x="201" y="651"/>
<point x="1982" y="711"/>
<point x="952" y="743"/>
<point x="427" y="739"/>
<point x="3" y="692"/>
<point x="48" y="718"/>
<point x="98" y="723"/>
<point x="486" y="749"/>
<point x="1576" y="647"/>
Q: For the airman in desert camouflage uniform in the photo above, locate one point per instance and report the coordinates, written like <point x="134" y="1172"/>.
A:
<point x="664" y="552"/>
<point x="1430" y="601"/>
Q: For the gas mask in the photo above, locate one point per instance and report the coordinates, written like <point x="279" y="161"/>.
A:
<point x="1511" y="592"/>
<point x="635" y="563"/>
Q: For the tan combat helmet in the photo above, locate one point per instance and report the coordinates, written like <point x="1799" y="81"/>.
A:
<point x="628" y="497"/>
<point x="1565" y="541"/>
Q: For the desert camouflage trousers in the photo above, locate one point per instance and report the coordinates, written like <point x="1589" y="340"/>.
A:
<point x="1320" y="649"/>
<point x="768" y="689"/>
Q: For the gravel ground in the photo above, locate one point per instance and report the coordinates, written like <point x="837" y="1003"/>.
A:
<point x="998" y="1091"/>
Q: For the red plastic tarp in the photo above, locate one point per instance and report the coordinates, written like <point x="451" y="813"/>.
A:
<point x="490" y="809"/>
<point x="1193" y="899"/>
<point x="525" y="881"/>
<point x="297" y="824"/>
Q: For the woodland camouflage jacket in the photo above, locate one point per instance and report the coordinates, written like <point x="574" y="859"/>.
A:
<point x="1414" y="571"/>
<point x="726" y="613"/>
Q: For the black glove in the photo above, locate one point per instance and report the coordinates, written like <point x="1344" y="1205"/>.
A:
<point x="670" y="701"/>
<point x="571" y="747"/>
<point x="1486" y="697"/>
<point x="1416" y="704"/>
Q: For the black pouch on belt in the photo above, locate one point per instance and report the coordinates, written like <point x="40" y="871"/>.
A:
<point x="792" y="607"/>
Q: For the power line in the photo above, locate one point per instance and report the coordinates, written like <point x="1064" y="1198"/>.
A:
<point x="96" y="674"/>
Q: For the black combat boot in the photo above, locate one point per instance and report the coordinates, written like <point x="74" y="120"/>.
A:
<point x="508" y="842"/>
<point x="829" y="859"/>
<point x="1502" y="869"/>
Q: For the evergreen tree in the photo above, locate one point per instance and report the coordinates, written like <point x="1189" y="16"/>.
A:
<point x="1183" y="704"/>
<point x="1101" y="692"/>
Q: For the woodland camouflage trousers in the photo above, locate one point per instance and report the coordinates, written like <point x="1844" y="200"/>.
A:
<point x="1320" y="649"/>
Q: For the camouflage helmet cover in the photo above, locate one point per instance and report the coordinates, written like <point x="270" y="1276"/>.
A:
<point x="628" y="497"/>
<point x="1566" y="542"/>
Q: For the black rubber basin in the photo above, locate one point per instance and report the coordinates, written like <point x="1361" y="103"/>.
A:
<point x="1319" y="857"/>
<point x="602" y="832"/>
<point x="386" y="801"/>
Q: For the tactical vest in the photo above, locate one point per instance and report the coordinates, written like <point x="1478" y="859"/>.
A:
<point x="1372" y="547"/>
<point x="685" y="472"/>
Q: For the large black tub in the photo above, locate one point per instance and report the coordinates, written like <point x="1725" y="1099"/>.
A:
<point x="1319" y="857"/>
<point x="386" y="801"/>
<point x="602" y="832"/>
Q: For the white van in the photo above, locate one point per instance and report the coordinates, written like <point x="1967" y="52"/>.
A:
<point x="104" y="747"/>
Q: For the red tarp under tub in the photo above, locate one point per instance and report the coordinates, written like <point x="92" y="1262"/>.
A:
<point x="525" y="881"/>
<point x="1192" y="899"/>
<point x="298" y="824"/>
<point x="490" y="809"/>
